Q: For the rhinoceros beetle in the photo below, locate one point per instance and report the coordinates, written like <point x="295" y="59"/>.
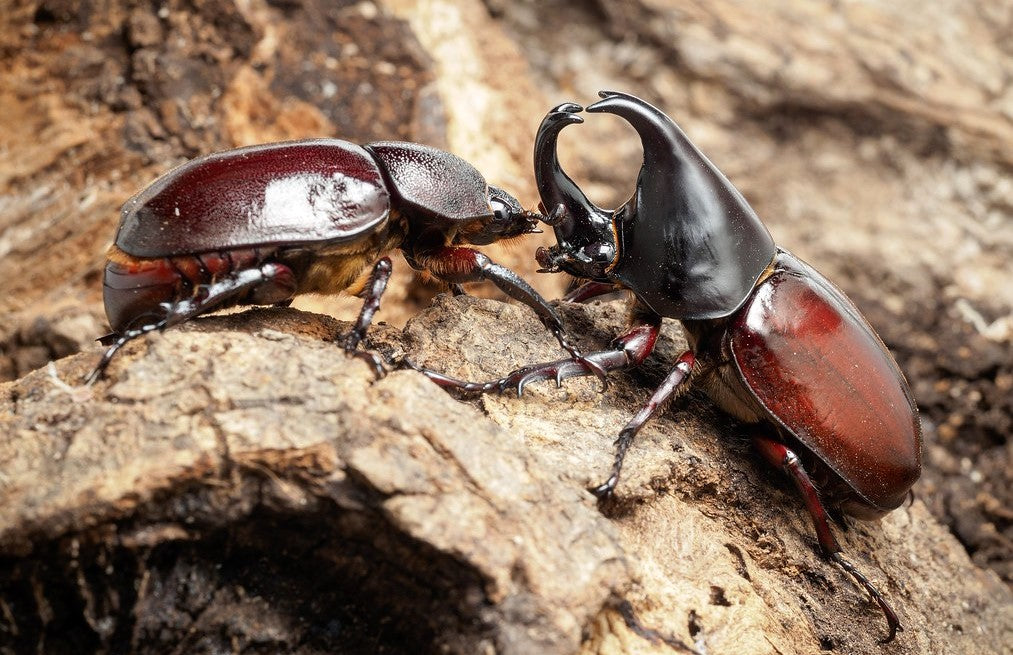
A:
<point x="261" y="224"/>
<point x="773" y="342"/>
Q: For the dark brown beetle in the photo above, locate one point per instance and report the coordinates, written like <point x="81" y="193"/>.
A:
<point x="773" y="342"/>
<point x="261" y="224"/>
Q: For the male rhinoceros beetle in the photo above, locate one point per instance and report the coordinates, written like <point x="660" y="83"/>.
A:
<point x="773" y="342"/>
<point x="261" y="224"/>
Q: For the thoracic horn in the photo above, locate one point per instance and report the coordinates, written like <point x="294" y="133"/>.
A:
<point x="697" y="246"/>
<point x="676" y="178"/>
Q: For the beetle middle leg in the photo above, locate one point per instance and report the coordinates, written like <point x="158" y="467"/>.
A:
<point x="784" y="458"/>
<point x="270" y="279"/>
<point x="370" y="294"/>
<point x="628" y="351"/>
<point x="674" y="384"/>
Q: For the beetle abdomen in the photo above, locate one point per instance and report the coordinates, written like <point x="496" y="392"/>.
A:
<point x="135" y="290"/>
<point x="814" y="363"/>
<point x="319" y="191"/>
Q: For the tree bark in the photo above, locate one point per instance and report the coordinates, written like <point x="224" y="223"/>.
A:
<point x="241" y="484"/>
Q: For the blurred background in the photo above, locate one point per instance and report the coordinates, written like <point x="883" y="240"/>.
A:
<point x="874" y="137"/>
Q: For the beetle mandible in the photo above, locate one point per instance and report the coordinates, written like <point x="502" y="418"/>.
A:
<point x="261" y="224"/>
<point x="773" y="342"/>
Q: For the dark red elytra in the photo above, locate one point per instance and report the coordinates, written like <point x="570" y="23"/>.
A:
<point x="262" y="224"/>
<point x="773" y="342"/>
<point x="817" y="367"/>
<point x="302" y="192"/>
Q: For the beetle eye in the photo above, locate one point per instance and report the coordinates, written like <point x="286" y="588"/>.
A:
<point x="501" y="212"/>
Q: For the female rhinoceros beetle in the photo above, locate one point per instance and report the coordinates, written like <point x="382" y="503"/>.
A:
<point x="261" y="224"/>
<point x="773" y="342"/>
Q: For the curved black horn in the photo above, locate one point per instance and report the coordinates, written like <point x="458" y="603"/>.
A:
<point x="665" y="146"/>
<point x="676" y="176"/>
<point x="686" y="219"/>
<point x="554" y="186"/>
<point x="672" y="165"/>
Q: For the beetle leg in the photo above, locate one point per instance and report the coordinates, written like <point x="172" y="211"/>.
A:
<point x="628" y="351"/>
<point x="782" y="457"/>
<point x="371" y="303"/>
<point x="590" y="290"/>
<point x="457" y="264"/>
<point x="120" y="341"/>
<point x="207" y="298"/>
<point x="672" y="386"/>
<point x="632" y="621"/>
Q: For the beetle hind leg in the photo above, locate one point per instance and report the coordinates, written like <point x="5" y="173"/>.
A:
<point x="269" y="279"/>
<point x="115" y="344"/>
<point x="784" y="458"/>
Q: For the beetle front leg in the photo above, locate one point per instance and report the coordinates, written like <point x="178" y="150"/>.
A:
<point x="457" y="265"/>
<point x="628" y="351"/>
<point x="590" y="291"/>
<point x="784" y="458"/>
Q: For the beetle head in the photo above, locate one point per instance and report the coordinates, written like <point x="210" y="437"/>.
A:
<point x="687" y="242"/>
<point x="506" y="221"/>
<point x="586" y="242"/>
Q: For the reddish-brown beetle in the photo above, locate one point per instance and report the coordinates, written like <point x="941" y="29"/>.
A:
<point x="773" y="342"/>
<point x="261" y="224"/>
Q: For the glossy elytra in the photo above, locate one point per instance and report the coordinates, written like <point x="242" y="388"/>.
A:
<point x="262" y="224"/>
<point x="773" y="342"/>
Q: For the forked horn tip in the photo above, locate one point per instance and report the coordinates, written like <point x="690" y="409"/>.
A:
<point x="611" y="99"/>
<point x="567" y="107"/>
<point x="565" y="117"/>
